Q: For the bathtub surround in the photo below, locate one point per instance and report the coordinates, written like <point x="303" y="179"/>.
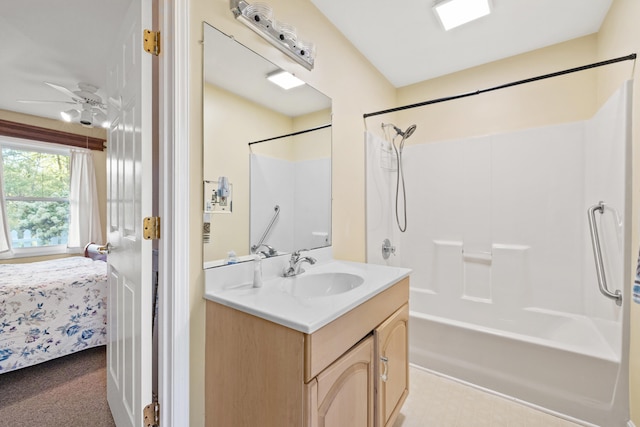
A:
<point x="503" y="262"/>
<point x="302" y="189"/>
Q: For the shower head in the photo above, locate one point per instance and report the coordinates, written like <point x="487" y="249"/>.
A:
<point x="410" y="130"/>
<point x="407" y="133"/>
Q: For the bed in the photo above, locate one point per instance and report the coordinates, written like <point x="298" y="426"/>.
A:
<point x="49" y="309"/>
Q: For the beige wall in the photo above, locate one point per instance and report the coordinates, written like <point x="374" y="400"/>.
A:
<point x="557" y="100"/>
<point x="99" y="160"/>
<point x="355" y="88"/>
<point x="312" y="145"/>
<point x="363" y="90"/>
<point x="620" y="36"/>
<point x="305" y="146"/>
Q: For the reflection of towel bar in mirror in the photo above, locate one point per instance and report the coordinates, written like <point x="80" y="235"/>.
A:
<point x="292" y="134"/>
<point x="255" y="247"/>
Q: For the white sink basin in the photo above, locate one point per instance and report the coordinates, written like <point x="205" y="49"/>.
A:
<point x="307" y="302"/>
<point x="321" y="284"/>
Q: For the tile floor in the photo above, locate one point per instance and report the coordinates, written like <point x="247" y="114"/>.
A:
<point x="439" y="402"/>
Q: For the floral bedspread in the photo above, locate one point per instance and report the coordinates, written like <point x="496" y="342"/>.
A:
<point x="50" y="309"/>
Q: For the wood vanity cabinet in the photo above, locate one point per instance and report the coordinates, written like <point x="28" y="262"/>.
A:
<point x="352" y="372"/>
<point x="391" y="340"/>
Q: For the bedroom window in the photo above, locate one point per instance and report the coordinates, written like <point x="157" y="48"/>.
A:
<point x="36" y="195"/>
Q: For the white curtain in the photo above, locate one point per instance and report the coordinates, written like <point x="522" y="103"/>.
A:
<point x="5" y="240"/>
<point x="84" y="216"/>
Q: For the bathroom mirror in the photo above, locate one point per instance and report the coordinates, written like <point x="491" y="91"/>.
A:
<point x="272" y="147"/>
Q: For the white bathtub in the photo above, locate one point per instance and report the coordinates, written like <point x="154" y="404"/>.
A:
<point x="504" y="293"/>
<point x="559" y="363"/>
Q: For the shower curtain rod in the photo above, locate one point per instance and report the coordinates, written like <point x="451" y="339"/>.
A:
<point x="292" y="134"/>
<point x="516" y="83"/>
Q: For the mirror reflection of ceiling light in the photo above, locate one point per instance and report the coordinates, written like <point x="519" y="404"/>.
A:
<point x="453" y="13"/>
<point x="284" y="79"/>
<point x="259" y="17"/>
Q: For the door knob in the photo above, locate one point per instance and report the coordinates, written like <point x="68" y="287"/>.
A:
<point x="104" y="249"/>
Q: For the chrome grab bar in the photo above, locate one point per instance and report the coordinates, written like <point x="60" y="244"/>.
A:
<point x="597" y="254"/>
<point x="255" y="247"/>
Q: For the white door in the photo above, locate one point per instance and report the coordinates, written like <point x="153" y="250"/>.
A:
<point x="129" y="200"/>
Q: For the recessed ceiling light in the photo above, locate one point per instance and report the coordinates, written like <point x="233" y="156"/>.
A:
<point x="284" y="79"/>
<point x="453" y="13"/>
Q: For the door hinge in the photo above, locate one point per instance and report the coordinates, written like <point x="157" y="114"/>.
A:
<point x="152" y="42"/>
<point x="151" y="228"/>
<point x="152" y="414"/>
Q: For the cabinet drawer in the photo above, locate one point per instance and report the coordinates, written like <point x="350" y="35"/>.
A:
<point x="329" y="342"/>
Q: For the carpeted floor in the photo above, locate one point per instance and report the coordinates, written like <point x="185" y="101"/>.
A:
<point x="68" y="391"/>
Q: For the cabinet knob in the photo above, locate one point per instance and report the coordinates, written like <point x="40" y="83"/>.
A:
<point x="385" y="361"/>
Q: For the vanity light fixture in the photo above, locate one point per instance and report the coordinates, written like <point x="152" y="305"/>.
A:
<point x="284" y="79"/>
<point x="259" y="17"/>
<point x="453" y="13"/>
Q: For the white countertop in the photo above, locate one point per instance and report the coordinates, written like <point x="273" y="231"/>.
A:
<point x="304" y="314"/>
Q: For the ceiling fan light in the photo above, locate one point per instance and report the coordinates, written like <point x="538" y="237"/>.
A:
<point x="101" y="119"/>
<point x="69" y="115"/>
<point x="86" y="118"/>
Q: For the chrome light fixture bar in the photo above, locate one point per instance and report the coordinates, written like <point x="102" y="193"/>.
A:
<point x="259" y="17"/>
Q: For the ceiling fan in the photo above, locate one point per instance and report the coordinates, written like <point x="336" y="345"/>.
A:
<point x="90" y="110"/>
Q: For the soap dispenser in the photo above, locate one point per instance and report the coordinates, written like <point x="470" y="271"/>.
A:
<point x="257" y="271"/>
<point x="232" y="258"/>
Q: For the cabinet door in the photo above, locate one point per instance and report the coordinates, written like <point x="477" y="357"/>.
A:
<point x="343" y="394"/>
<point x="392" y="373"/>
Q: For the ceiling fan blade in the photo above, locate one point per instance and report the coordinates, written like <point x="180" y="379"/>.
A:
<point x="62" y="89"/>
<point x="27" y="101"/>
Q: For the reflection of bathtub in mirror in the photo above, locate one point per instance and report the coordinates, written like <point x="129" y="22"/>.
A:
<point x="241" y="106"/>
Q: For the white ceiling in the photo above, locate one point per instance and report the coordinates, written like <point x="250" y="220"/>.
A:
<point x="66" y="42"/>
<point x="58" y="42"/>
<point x="405" y="41"/>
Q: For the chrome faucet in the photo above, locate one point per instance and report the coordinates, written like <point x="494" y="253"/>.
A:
<point x="295" y="263"/>
<point x="269" y="252"/>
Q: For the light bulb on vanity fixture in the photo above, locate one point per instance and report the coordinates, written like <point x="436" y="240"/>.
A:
<point x="259" y="17"/>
